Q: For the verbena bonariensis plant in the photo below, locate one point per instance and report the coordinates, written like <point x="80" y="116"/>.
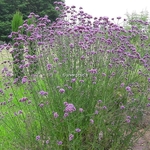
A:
<point x="32" y="46"/>
<point x="91" y="88"/>
<point x="17" y="51"/>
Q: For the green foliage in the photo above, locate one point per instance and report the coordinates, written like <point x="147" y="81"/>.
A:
<point x="17" y="21"/>
<point x="8" y="8"/>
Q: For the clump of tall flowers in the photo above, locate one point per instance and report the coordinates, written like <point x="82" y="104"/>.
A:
<point x="17" y="52"/>
<point x="90" y="90"/>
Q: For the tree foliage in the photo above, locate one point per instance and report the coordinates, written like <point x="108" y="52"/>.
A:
<point x="9" y="7"/>
<point x="141" y="23"/>
<point x="134" y="19"/>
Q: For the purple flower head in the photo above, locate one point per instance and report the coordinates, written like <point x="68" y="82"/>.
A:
<point x="71" y="45"/>
<point x="148" y="105"/>
<point x="78" y="130"/>
<point x="91" y="121"/>
<point x="56" y="8"/>
<point x="73" y="6"/>
<point x="55" y="71"/>
<point x="47" y="142"/>
<point x="99" y="101"/>
<point x="128" y="117"/>
<point x="40" y="43"/>
<point x="66" y="104"/>
<point x="122" y="107"/>
<point x="81" y="109"/>
<point x="29" y="101"/>
<point x="96" y="112"/>
<point x="93" y="71"/>
<point x="128" y="120"/>
<point x="4" y="70"/>
<point x="110" y="65"/>
<point x="148" y="79"/>
<point x="38" y="138"/>
<point x="70" y="108"/>
<point x="104" y="107"/>
<point x="56" y="59"/>
<point x="61" y="90"/>
<point x="122" y="84"/>
<point x="23" y="99"/>
<point x="103" y="74"/>
<point x="71" y="136"/>
<point x="55" y="115"/>
<point x="82" y="57"/>
<point x="41" y="105"/>
<point x="1" y="91"/>
<point x="118" y="18"/>
<point x="15" y="114"/>
<point x="81" y="81"/>
<point x="66" y="115"/>
<point x="59" y="142"/>
<point x="69" y="87"/>
<point x="3" y="103"/>
<point x="128" y="89"/>
<point x="73" y="80"/>
<point x="43" y="93"/>
<point x="20" y="112"/>
<point x="24" y="79"/>
<point x="49" y="66"/>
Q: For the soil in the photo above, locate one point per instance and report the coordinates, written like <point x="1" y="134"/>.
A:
<point x="143" y="143"/>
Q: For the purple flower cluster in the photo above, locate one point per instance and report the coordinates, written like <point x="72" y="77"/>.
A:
<point x="128" y="89"/>
<point x="81" y="109"/>
<point x="24" y="79"/>
<point x="61" y="90"/>
<point x="23" y="99"/>
<point x="38" y="137"/>
<point x="1" y="91"/>
<point x="49" y="66"/>
<point x="55" y="115"/>
<point x="71" y="136"/>
<point x="93" y="71"/>
<point x="43" y="93"/>
<point x="59" y="142"/>
<point x="91" y="121"/>
<point x="128" y="119"/>
<point x="78" y="130"/>
<point x="73" y="80"/>
<point x="69" y="108"/>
